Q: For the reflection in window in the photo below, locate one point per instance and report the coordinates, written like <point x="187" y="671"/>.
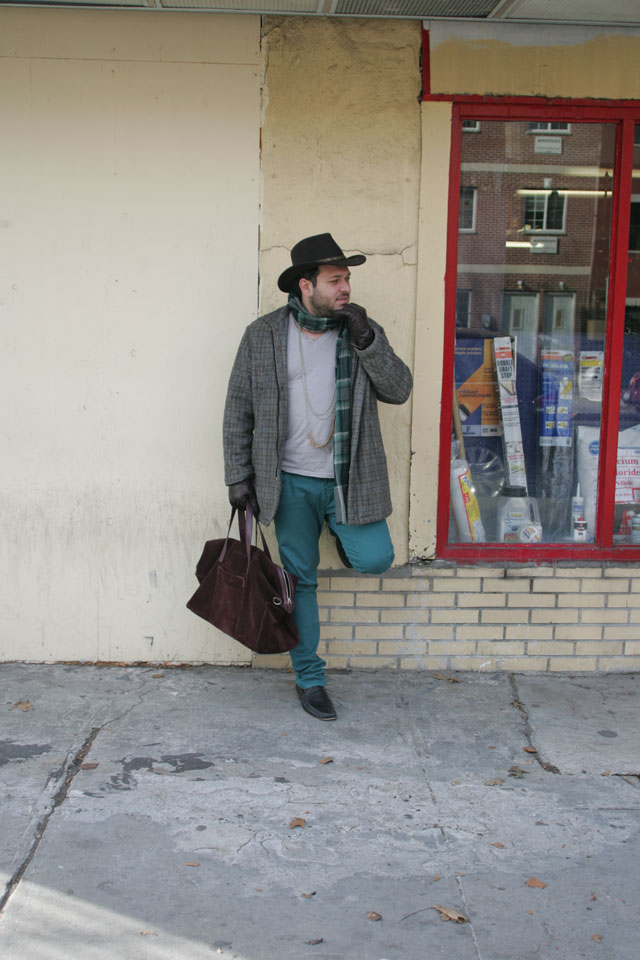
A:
<point x="626" y="528"/>
<point x="544" y="210"/>
<point x="529" y="356"/>
<point x="634" y="225"/>
<point x="467" y="220"/>
<point x="463" y="308"/>
<point x="543" y="126"/>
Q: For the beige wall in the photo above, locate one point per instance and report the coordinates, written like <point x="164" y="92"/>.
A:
<point x="130" y="183"/>
<point x="134" y="207"/>
<point x="341" y="153"/>
<point x="534" y="60"/>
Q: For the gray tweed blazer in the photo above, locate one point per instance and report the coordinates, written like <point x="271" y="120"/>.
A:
<point x="255" y="417"/>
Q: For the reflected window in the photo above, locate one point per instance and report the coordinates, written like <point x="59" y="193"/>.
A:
<point x="543" y="126"/>
<point x="463" y="308"/>
<point x="467" y="216"/>
<point x="544" y="211"/>
<point x="634" y="225"/>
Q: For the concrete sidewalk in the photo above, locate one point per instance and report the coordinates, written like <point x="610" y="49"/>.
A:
<point x="157" y="814"/>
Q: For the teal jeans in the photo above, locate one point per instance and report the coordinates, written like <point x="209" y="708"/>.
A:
<point x="305" y="504"/>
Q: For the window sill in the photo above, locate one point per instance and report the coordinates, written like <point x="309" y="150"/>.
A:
<point x="542" y="553"/>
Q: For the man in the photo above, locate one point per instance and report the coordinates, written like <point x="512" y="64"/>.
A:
<point x="302" y="439"/>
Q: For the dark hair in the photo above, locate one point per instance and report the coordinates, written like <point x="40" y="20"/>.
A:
<point x="311" y="274"/>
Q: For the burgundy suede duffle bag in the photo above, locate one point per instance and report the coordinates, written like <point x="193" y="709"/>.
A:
<point x="244" y="593"/>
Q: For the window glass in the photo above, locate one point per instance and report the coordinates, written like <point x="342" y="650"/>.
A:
<point x="627" y="495"/>
<point x="532" y="289"/>
<point x="467" y="214"/>
<point x="544" y="126"/>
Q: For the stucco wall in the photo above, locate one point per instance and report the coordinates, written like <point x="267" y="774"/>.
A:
<point x="130" y="183"/>
<point x="534" y="60"/>
<point x="341" y="153"/>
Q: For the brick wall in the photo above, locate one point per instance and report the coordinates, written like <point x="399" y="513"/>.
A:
<point x="435" y="616"/>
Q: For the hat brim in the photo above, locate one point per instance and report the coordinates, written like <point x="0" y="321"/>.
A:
<point x="293" y="273"/>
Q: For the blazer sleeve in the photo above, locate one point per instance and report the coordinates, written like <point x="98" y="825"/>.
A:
<point x="238" y="421"/>
<point x="389" y="375"/>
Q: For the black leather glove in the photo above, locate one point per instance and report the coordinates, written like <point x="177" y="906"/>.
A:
<point x="240" y="494"/>
<point x="361" y="331"/>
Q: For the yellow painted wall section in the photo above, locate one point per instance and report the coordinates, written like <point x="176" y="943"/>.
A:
<point x="341" y="153"/>
<point x="427" y="389"/>
<point x="128" y="250"/>
<point x="535" y="60"/>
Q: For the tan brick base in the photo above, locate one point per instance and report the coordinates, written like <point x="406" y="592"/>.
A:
<point x="440" y="616"/>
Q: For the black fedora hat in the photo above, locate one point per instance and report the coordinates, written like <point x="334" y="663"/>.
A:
<point x="314" y="252"/>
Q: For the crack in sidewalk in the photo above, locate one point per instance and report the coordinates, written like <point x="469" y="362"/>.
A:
<point x="465" y="907"/>
<point x="72" y="769"/>
<point x="528" y="732"/>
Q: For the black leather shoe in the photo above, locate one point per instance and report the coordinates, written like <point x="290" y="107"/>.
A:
<point x="343" y="557"/>
<point x="317" y="702"/>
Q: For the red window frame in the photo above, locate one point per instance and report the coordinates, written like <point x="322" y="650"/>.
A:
<point x="624" y="114"/>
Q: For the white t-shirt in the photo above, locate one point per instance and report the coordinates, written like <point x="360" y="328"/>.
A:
<point x="311" y="413"/>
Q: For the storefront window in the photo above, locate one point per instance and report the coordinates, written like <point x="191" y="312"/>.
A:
<point x="532" y="306"/>
<point x="626" y="522"/>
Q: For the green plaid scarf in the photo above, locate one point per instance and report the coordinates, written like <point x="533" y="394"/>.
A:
<point x="342" y="433"/>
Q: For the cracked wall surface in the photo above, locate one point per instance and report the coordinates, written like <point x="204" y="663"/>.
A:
<point x="341" y="153"/>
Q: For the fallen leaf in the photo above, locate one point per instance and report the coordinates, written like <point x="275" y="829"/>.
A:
<point x="307" y="896"/>
<point x="516" y="772"/>
<point x="327" y="760"/>
<point x="297" y="822"/>
<point x="435" y="879"/>
<point x="372" y="915"/>
<point x="23" y="705"/>
<point x="606" y="773"/>
<point x="494" y="783"/>
<point x="530" y="750"/>
<point x="593" y="896"/>
<point x="192" y="864"/>
<point x="597" y="937"/>
<point x="446" y="913"/>
<point x="496" y="843"/>
<point x="313" y="942"/>
<point x="156" y="676"/>
<point x="516" y="704"/>
<point x="88" y="766"/>
<point x="534" y="882"/>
